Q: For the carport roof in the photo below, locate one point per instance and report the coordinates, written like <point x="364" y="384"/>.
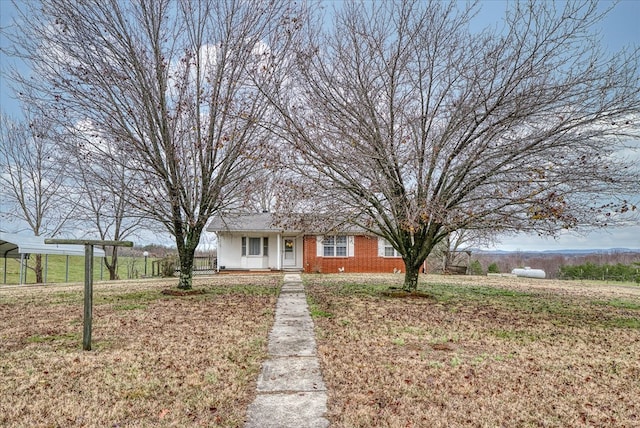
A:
<point x="12" y="245"/>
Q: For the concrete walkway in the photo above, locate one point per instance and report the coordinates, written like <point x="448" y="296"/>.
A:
<point x="291" y="392"/>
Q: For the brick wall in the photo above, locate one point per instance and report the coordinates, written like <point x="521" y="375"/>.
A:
<point x="366" y="258"/>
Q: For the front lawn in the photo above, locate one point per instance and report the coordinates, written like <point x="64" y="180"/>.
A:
<point x="157" y="360"/>
<point x="478" y="352"/>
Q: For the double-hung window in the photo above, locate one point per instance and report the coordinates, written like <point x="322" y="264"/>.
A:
<point x="335" y="246"/>
<point x="389" y="251"/>
<point x="255" y="246"/>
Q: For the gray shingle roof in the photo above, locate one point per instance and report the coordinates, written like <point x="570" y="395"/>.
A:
<point x="262" y="222"/>
<point x="269" y="222"/>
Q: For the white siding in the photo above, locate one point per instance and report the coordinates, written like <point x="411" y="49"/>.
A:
<point x="230" y="252"/>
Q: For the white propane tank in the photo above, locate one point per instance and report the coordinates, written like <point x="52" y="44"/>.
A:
<point x="527" y="272"/>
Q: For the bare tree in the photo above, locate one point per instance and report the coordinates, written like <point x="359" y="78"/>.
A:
<point x="168" y="83"/>
<point x="103" y="188"/>
<point x="410" y="125"/>
<point x="455" y="249"/>
<point x="264" y="195"/>
<point x="32" y="182"/>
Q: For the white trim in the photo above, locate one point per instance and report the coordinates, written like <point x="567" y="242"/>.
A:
<point x="349" y="243"/>
<point x="319" y="246"/>
<point x="382" y="243"/>
<point x="279" y="252"/>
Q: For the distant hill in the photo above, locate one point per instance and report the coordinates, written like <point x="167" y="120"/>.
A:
<point x="571" y="252"/>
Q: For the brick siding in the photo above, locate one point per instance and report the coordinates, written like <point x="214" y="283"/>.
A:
<point x="366" y="258"/>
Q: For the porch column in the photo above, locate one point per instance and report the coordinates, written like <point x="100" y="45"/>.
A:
<point x="218" y="251"/>
<point x="279" y="252"/>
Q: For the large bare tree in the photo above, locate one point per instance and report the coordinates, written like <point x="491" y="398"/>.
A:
<point x="409" y="124"/>
<point x="167" y="82"/>
<point x="33" y="186"/>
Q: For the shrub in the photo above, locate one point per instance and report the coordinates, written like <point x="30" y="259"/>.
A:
<point x="493" y="268"/>
<point x="475" y="268"/>
<point x="168" y="267"/>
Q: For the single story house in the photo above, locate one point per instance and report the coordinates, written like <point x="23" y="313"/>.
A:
<point x="256" y="242"/>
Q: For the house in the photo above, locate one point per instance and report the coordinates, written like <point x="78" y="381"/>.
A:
<point x="256" y="242"/>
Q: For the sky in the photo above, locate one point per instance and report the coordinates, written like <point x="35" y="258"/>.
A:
<point x="620" y="28"/>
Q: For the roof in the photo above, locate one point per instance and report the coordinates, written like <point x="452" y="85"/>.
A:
<point x="12" y="245"/>
<point x="269" y="222"/>
<point x="262" y="222"/>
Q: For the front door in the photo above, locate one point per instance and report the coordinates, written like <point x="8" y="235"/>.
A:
<point x="289" y="258"/>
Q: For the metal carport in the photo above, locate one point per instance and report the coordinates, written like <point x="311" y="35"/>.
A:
<point x="16" y="246"/>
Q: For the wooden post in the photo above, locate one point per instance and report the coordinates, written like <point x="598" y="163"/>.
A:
<point x="88" y="297"/>
<point x="88" y="279"/>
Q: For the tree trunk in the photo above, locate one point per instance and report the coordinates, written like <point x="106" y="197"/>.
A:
<point x="411" y="276"/>
<point x="38" y="269"/>
<point x="112" y="267"/>
<point x="113" y="274"/>
<point x="187" y="242"/>
<point x="186" y="270"/>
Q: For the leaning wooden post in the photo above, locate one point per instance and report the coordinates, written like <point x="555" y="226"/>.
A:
<point x="88" y="279"/>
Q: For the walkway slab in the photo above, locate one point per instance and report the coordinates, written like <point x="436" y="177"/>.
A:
<point x="286" y="410"/>
<point x="290" y="392"/>
<point x="291" y="374"/>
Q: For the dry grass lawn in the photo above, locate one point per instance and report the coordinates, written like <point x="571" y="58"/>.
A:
<point x="156" y="360"/>
<point x="480" y="352"/>
<point x="477" y="352"/>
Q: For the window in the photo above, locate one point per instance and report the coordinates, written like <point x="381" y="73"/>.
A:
<point x="255" y="246"/>
<point x="389" y="251"/>
<point x="335" y="246"/>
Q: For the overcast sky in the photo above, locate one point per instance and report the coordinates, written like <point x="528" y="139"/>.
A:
<point x="619" y="29"/>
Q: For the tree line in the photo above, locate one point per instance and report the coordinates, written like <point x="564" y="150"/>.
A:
<point x="397" y="117"/>
<point x="560" y="266"/>
<point x="606" y="272"/>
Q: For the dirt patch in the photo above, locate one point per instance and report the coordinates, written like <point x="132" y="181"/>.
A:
<point x="402" y="294"/>
<point x="181" y="293"/>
